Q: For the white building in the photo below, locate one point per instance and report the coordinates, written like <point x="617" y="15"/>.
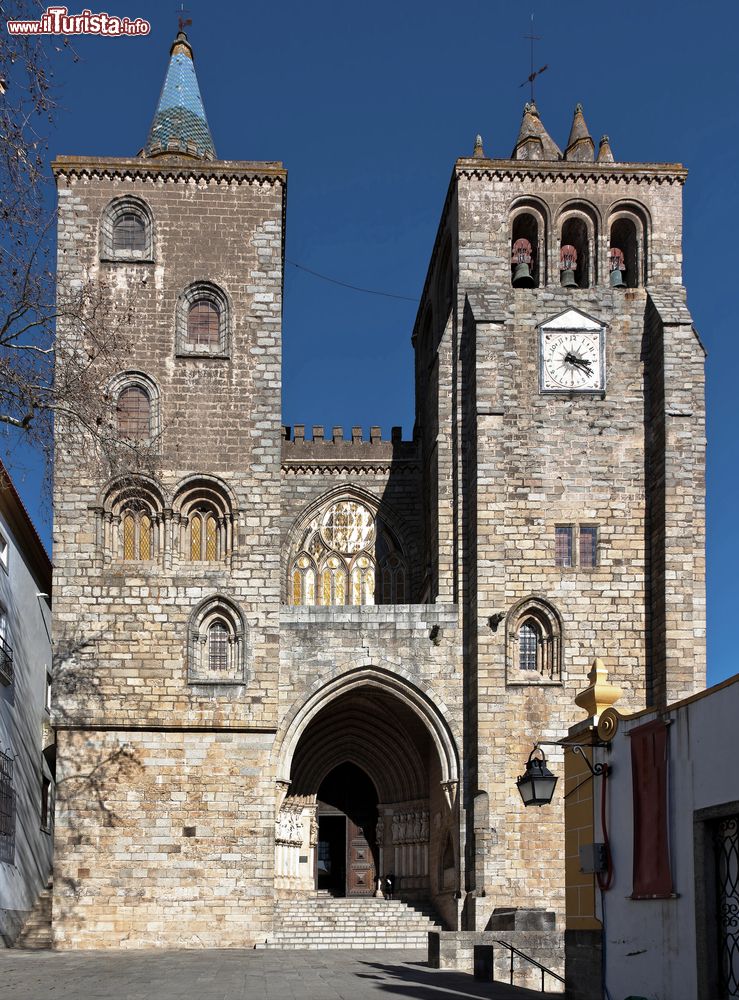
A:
<point x="26" y="740"/>
<point x="669" y="908"/>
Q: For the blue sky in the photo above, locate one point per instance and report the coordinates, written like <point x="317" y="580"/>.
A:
<point x="368" y="106"/>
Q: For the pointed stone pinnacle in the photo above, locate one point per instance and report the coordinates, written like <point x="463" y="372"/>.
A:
<point x="534" y="142"/>
<point x="605" y="154"/>
<point x="478" y="152"/>
<point x="580" y="145"/>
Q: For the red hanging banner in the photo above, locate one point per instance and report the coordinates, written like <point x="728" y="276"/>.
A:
<point x="652" y="875"/>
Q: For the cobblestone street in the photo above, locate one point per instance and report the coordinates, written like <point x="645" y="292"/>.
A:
<point x="237" y="975"/>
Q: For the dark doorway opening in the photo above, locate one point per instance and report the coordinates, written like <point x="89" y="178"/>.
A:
<point x="331" y="859"/>
<point x="347" y="819"/>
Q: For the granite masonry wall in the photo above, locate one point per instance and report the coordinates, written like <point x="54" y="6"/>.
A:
<point x="125" y="626"/>
<point x="521" y="463"/>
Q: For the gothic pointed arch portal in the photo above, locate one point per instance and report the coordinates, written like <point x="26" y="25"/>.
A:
<point x="367" y="778"/>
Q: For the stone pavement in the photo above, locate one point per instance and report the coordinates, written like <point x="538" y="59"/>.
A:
<point x="238" y="975"/>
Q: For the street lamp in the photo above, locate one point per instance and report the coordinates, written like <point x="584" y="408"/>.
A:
<point x="538" y="783"/>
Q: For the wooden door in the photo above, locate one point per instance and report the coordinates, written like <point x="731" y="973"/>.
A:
<point x="361" y="874"/>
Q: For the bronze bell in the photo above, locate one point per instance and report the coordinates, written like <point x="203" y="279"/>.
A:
<point x="521" y="258"/>
<point x="522" y="277"/>
<point x="617" y="280"/>
<point x="617" y="266"/>
<point x="567" y="265"/>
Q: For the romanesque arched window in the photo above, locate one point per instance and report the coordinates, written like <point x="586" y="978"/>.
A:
<point x="347" y="555"/>
<point x="217" y="648"/>
<point x="533" y="643"/>
<point x="203" y="324"/>
<point x="132" y="521"/>
<point x="203" y="320"/>
<point x="126" y="230"/>
<point x="204" y="520"/>
<point x="133" y="411"/>
<point x="135" y="399"/>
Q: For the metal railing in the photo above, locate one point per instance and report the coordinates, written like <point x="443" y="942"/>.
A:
<point x="532" y="961"/>
<point x="6" y="662"/>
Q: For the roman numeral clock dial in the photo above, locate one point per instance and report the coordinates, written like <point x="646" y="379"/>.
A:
<point x="572" y="360"/>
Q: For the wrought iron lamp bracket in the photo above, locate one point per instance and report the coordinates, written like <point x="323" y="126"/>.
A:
<point x="596" y="770"/>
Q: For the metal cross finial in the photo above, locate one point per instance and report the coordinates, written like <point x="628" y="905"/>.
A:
<point x="533" y="74"/>
<point x="183" y="22"/>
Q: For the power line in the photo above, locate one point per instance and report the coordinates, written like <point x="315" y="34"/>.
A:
<point x="344" y="284"/>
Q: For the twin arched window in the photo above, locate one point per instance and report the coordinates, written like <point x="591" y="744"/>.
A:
<point x="204" y="513"/>
<point x="348" y="555"/>
<point x="137" y="525"/>
<point x="132" y="525"/>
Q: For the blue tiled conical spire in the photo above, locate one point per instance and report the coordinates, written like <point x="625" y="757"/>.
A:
<point x="180" y="125"/>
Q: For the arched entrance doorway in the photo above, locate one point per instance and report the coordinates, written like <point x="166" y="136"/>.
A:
<point x="369" y="773"/>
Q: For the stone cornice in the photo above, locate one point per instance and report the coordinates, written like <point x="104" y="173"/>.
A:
<point x="563" y="170"/>
<point x="171" y="169"/>
<point x="355" y="468"/>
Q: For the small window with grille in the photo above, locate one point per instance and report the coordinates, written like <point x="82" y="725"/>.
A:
<point x="533" y="643"/>
<point x="218" y="643"/>
<point x="46" y="807"/>
<point x="126" y="231"/>
<point x="563" y="536"/>
<point x="217" y="646"/>
<point x="529" y="641"/>
<point x="129" y="233"/>
<point x="6" y="651"/>
<point x="588" y="546"/>
<point x="134" y="413"/>
<point x="203" y="324"/>
<point x="7" y="809"/>
<point x="203" y="321"/>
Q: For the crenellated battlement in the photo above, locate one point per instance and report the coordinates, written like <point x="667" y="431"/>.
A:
<point x="338" y="450"/>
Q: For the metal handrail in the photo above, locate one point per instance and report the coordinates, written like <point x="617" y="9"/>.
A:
<point x="533" y="961"/>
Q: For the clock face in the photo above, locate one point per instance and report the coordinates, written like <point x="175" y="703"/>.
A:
<point x="572" y="361"/>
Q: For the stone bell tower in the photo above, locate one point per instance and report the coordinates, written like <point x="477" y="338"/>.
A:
<point x="167" y="583"/>
<point x="560" y="408"/>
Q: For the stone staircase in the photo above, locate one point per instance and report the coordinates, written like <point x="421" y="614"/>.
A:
<point x="320" y="921"/>
<point x="36" y="933"/>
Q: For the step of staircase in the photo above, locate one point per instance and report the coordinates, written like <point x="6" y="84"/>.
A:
<point x="36" y="933"/>
<point x="317" y="922"/>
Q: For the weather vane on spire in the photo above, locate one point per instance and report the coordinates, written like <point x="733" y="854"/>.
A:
<point x="183" y="23"/>
<point x="533" y="74"/>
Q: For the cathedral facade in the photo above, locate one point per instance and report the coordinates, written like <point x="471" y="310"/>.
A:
<point x="295" y="664"/>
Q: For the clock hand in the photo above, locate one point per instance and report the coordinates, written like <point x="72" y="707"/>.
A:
<point x="572" y="359"/>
